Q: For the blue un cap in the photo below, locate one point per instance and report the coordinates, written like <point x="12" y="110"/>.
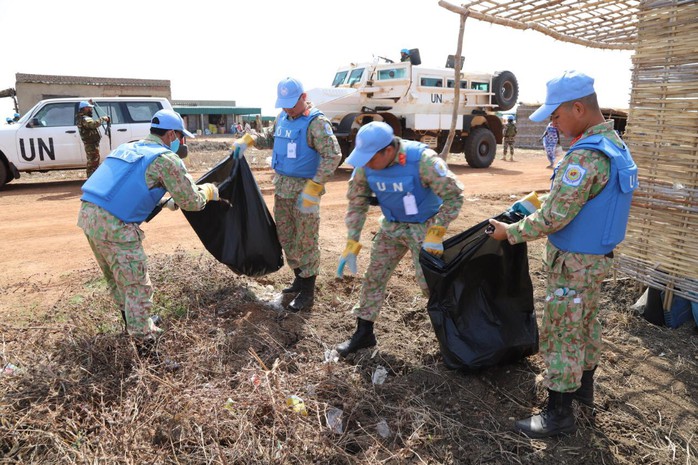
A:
<point x="288" y="92"/>
<point x="169" y="119"/>
<point x="571" y="85"/>
<point x="84" y="104"/>
<point x="371" y="138"/>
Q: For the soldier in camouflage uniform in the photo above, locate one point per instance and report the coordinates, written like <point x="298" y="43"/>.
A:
<point x="116" y="201"/>
<point x="584" y="217"/>
<point x="90" y="135"/>
<point x="305" y="155"/>
<point x="509" y="133"/>
<point x="419" y="197"/>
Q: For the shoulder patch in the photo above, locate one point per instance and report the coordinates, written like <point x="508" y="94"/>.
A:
<point x="573" y="175"/>
<point x="440" y="167"/>
<point x="328" y="129"/>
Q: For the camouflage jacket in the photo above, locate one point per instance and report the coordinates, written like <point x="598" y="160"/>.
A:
<point x="166" y="171"/>
<point x="322" y="139"/>
<point x="510" y="131"/>
<point x="433" y="173"/>
<point x="567" y="195"/>
<point x="89" y="129"/>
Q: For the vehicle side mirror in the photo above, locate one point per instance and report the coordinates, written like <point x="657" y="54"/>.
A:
<point x="34" y="122"/>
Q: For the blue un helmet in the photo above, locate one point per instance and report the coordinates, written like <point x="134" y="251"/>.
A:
<point x="510" y="118"/>
<point x="405" y="51"/>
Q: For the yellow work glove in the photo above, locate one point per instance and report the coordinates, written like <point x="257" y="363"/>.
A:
<point x="309" y="200"/>
<point x="348" y="257"/>
<point x="434" y="241"/>
<point x="526" y="205"/>
<point x="210" y="190"/>
<point x="241" y="144"/>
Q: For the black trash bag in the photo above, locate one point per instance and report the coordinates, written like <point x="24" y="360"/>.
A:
<point x="481" y="299"/>
<point x="242" y="232"/>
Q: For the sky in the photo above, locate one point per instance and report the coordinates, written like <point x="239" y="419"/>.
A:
<point x="235" y="50"/>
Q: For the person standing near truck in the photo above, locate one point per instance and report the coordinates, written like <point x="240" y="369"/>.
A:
<point x="305" y="155"/>
<point x="584" y="217"/>
<point x="90" y="135"/>
<point x="509" y="134"/>
<point x="119" y="196"/>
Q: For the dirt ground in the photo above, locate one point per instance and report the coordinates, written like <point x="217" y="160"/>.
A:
<point x="229" y="339"/>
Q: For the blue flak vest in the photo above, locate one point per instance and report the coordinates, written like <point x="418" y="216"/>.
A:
<point x="119" y="186"/>
<point x="601" y="223"/>
<point x="392" y="184"/>
<point x="307" y="159"/>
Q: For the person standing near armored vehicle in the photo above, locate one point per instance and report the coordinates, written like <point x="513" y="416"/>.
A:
<point x="509" y="138"/>
<point x="305" y="155"/>
<point x="90" y="135"/>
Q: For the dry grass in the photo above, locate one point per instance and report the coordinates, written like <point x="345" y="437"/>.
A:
<point x="215" y="390"/>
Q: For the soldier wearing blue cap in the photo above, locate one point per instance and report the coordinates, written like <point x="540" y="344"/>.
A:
<point x="119" y="196"/>
<point x="509" y="136"/>
<point x="88" y="128"/>
<point x="419" y="197"/>
<point x="404" y="55"/>
<point x="305" y="155"/>
<point x="584" y="217"/>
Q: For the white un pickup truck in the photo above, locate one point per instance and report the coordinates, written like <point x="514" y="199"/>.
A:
<point x="46" y="137"/>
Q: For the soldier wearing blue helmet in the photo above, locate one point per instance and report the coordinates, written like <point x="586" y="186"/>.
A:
<point x="119" y="196"/>
<point x="584" y="217"/>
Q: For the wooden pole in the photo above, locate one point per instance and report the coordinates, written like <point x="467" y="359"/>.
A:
<point x="456" y="91"/>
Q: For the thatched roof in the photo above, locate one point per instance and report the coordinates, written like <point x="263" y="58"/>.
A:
<point x="606" y="24"/>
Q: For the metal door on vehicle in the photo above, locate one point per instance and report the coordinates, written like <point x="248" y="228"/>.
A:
<point x="120" y="127"/>
<point x="50" y="139"/>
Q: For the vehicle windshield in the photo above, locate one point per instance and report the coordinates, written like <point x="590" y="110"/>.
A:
<point x="356" y="76"/>
<point x="339" y="78"/>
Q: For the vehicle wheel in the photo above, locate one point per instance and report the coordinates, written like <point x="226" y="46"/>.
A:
<point x="505" y="88"/>
<point x="480" y="147"/>
<point x="346" y="148"/>
<point x="4" y="174"/>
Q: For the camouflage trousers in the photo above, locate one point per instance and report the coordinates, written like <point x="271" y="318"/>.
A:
<point x="389" y="246"/>
<point x="508" y="143"/>
<point x="92" y="154"/>
<point x="125" y="267"/>
<point x="570" y="334"/>
<point x="299" y="235"/>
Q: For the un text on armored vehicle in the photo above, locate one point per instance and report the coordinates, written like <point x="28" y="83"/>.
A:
<point x="418" y="103"/>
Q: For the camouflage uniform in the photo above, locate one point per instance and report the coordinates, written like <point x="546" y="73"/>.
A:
<point x="509" y="136"/>
<point x="118" y="247"/>
<point x="570" y="337"/>
<point x="90" y="135"/>
<point x="299" y="232"/>
<point x="394" y="239"/>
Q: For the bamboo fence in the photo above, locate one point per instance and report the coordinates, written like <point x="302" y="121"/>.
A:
<point x="661" y="247"/>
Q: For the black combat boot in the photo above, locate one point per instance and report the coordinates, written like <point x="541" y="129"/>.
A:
<point x="585" y="394"/>
<point x="363" y="337"/>
<point x="306" y="297"/>
<point x="556" y="418"/>
<point x="296" y="286"/>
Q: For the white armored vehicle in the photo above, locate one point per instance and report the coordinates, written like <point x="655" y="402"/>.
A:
<point x="418" y="103"/>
